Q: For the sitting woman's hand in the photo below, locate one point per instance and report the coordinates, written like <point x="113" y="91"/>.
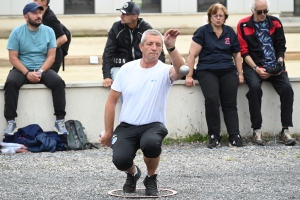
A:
<point x="189" y="81"/>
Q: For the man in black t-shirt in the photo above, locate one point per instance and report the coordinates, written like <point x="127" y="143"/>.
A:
<point x="50" y="19"/>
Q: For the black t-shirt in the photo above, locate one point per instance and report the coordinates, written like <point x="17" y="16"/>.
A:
<point x="50" y="19"/>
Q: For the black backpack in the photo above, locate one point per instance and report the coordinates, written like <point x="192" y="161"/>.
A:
<point x="65" y="46"/>
<point x="77" y="139"/>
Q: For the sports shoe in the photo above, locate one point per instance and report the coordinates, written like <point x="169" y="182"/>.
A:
<point x="213" y="142"/>
<point x="130" y="184"/>
<point x="151" y="185"/>
<point x="60" y="127"/>
<point x="237" y="141"/>
<point x="286" y="138"/>
<point x="11" y="128"/>
<point x="257" y="137"/>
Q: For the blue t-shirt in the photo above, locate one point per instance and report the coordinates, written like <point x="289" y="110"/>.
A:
<point x="216" y="52"/>
<point x="32" y="46"/>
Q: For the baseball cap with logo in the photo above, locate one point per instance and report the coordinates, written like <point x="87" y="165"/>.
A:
<point x="130" y="8"/>
<point x="31" y="7"/>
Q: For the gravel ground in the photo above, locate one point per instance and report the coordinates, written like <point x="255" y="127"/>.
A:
<point x="194" y="171"/>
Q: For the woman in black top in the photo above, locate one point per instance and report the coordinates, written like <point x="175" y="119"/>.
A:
<point x="216" y="44"/>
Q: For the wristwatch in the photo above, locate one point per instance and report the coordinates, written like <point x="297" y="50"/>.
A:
<point x="171" y="49"/>
<point x="254" y="68"/>
<point x="42" y="71"/>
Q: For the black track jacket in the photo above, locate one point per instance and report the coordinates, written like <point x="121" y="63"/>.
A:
<point x="122" y="45"/>
<point x="249" y="43"/>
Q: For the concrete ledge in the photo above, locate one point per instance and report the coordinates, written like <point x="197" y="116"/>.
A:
<point x="185" y="110"/>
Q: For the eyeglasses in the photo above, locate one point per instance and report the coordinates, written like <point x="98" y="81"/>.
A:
<point x="216" y="16"/>
<point x="259" y="12"/>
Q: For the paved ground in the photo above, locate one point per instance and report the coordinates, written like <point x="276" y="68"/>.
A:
<point x="194" y="171"/>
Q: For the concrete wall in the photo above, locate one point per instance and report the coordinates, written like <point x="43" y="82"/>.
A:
<point x="185" y="110"/>
<point x="15" y="7"/>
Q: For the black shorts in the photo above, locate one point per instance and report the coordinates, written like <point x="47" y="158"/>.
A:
<point x="129" y="138"/>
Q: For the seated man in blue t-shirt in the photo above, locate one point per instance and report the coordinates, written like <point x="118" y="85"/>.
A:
<point x="31" y="48"/>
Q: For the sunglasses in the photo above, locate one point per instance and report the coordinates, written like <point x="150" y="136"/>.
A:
<point x="259" y="12"/>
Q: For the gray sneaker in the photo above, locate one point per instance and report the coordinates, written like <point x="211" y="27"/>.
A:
<point x="286" y="138"/>
<point x="11" y="128"/>
<point x="60" y="127"/>
<point x="257" y="137"/>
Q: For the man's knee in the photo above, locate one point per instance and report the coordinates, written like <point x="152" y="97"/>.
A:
<point x="152" y="149"/>
<point x="254" y="90"/>
<point x="122" y="162"/>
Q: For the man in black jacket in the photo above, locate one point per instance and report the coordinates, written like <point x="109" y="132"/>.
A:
<point x="123" y="42"/>
<point x="262" y="42"/>
<point x="50" y="19"/>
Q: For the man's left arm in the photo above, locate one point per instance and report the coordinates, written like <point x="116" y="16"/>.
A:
<point x="57" y="27"/>
<point x="279" y="41"/>
<point x="177" y="61"/>
<point x="51" y="52"/>
<point x="49" y="60"/>
<point x="61" y="40"/>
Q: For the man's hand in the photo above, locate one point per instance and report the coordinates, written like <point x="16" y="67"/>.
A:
<point x="241" y="78"/>
<point x="170" y="37"/>
<point x="105" y="140"/>
<point x="262" y="73"/>
<point x="107" y="82"/>
<point x="33" y="77"/>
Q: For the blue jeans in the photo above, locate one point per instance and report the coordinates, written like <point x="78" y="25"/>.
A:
<point x="113" y="72"/>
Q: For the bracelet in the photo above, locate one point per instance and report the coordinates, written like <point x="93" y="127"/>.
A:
<point x="26" y="73"/>
<point x="171" y="49"/>
<point x="241" y="72"/>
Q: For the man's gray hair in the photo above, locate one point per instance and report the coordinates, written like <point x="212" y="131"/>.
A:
<point x="151" y="32"/>
<point x="253" y="4"/>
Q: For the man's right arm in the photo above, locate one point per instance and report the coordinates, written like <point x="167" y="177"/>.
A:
<point x="109" y="50"/>
<point x="14" y="60"/>
<point x="109" y="117"/>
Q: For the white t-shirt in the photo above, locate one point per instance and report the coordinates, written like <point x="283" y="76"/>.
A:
<point x="145" y="92"/>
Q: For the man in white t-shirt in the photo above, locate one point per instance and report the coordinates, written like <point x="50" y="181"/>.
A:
<point x="144" y="85"/>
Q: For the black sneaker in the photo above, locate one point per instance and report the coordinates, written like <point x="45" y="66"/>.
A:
<point x="213" y="142"/>
<point x="237" y="141"/>
<point x="130" y="184"/>
<point x="151" y="185"/>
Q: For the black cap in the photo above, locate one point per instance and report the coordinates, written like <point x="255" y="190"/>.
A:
<point x="130" y="8"/>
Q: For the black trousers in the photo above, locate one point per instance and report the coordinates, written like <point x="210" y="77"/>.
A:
<point x="283" y="88"/>
<point x="129" y="138"/>
<point x="50" y="79"/>
<point x="220" y="86"/>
